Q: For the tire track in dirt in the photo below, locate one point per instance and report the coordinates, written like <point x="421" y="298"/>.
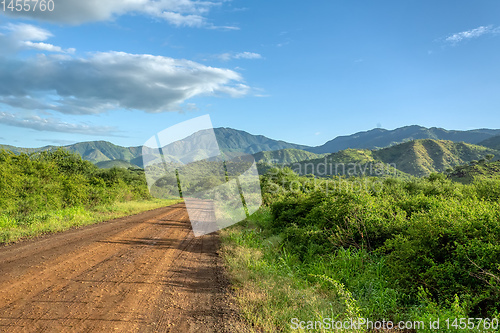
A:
<point x="143" y="273"/>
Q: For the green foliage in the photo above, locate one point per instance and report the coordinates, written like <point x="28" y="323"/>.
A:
<point x="37" y="183"/>
<point x="414" y="249"/>
<point x="476" y="172"/>
<point x="413" y="158"/>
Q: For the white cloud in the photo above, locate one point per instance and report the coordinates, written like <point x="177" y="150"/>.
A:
<point x="473" y="33"/>
<point x="247" y="55"/>
<point x="189" y="13"/>
<point x="111" y="80"/>
<point x="22" y="31"/>
<point x="183" y="20"/>
<point x="47" y="47"/>
<point x="241" y="55"/>
<point x="26" y="36"/>
<point x="54" y="125"/>
<point x="99" y="82"/>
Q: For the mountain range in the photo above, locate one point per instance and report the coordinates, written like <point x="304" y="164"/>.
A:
<point x="402" y="146"/>
<point x="381" y="138"/>
<point x="416" y="158"/>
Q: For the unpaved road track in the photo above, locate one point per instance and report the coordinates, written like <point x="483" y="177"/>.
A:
<point x="143" y="273"/>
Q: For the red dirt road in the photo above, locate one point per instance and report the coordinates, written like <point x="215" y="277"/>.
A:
<point x="142" y="273"/>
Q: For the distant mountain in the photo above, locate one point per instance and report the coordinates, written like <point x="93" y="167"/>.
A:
<point x="380" y="138"/>
<point x="284" y="156"/>
<point x="17" y="150"/>
<point x="235" y="140"/>
<point x="97" y="151"/>
<point x="230" y="142"/>
<point x="493" y="142"/>
<point x="422" y="157"/>
<point x="417" y="158"/>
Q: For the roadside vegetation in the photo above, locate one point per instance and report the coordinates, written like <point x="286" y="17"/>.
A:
<point x="55" y="190"/>
<point x="416" y="250"/>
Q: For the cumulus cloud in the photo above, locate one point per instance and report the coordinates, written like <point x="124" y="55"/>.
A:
<point x="189" y="13"/>
<point x="111" y="80"/>
<point x="23" y="36"/>
<point x="473" y="33"/>
<point x="54" y="125"/>
<point x="241" y="55"/>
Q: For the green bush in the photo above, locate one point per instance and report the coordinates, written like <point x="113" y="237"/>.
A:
<point x="430" y="233"/>
<point x="31" y="184"/>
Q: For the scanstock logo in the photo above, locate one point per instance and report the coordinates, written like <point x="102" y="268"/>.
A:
<point x="219" y="188"/>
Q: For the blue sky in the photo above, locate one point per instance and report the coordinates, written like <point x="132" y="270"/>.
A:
<point x="303" y="72"/>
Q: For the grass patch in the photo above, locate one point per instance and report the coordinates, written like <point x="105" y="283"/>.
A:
<point x="12" y="230"/>
<point x="268" y="282"/>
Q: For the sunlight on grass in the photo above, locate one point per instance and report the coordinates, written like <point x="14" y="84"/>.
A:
<point x="64" y="219"/>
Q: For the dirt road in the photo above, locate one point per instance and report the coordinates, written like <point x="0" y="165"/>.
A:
<point x="143" y="273"/>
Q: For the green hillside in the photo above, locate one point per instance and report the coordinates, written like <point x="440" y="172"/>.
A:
<point x="115" y="164"/>
<point x="476" y="171"/>
<point x="349" y="162"/>
<point x="381" y="138"/>
<point x="236" y="140"/>
<point x="493" y="142"/>
<point x="20" y="150"/>
<point x="416" y="158"/>
<point x="230" y="141"/>
<point x="97" y="151"/>
<point x="422" y="157"/>
<point x="284" y="156"/>
<point x="412" y="156"/>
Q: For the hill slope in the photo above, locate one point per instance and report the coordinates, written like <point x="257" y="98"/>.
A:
<point x="229" y="141"/>
<point x="235" y="140"/>
<point x="284" y="156"/>
<point x="416" y="158"/>
<point x="476" y="171"/>
<point x="422" y="157"/>
<point x="493" y="142"/>
<point x="232" y="141"/>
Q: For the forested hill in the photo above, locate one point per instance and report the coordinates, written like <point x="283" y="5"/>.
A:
<point x="380" y="138"/>
<point x="232" y="141"/>
<point x="416" y="158"/>
<point x="229" y="141"/>
<point x="493" y="142"/>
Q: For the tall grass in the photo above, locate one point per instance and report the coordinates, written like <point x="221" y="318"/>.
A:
<point x="66" y="218"/>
